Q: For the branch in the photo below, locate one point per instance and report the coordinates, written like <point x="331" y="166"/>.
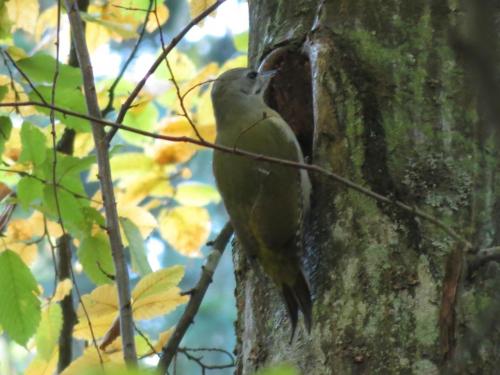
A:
<point x="197" y="294"/>
<point x="67" y="307"/>
<point x="309" y="167"/>
<point x="128" y="103"/>
<point x="180" y="97"/>
<point x="199" y="360"/>
<point x="122" y="277"/>
<point x="111" y="91"/>
<point x="483" y="256"/>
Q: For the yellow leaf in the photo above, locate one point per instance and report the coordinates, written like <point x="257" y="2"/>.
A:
<point x="183" y="67"/>
<point x="154" y="183"/>
<point x="40" y="366"/>
<point x="37" y="222"/>
<point x="89" y="360"/>
<point x="47" y="20"/>
<point x="17" y="53"/>
<point x="162" y="339"/>
<point x="205" y="113"/>
<point x="62" y="290"/>
<point x="156" y="293"/>
<point x="23" y="13"/>
<point x="141" y="217"/>
<point x="103" y="300"/>
<point x="198" y="6"/>
<point x="100" y="325"/>
<point x="84" y="143"/>
<point x="15" y="95"/>
<point x="107" y="21"/>
<point x="158" y="304"/>
<point x="157" y="282"/>
<point x="16" y="238"/>
<point x="102" y="308"/>
<point x="162" y="14"/>
<point x="186" y="229"/>
<point x="166" y="152"/>
<point x="209" y="72"/>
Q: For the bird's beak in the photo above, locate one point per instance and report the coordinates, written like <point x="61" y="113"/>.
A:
<point x="268" y="74"/>
<point x="265" y="78"/>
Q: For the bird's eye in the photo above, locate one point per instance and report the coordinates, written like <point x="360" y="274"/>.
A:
<point x="252" y="75"/>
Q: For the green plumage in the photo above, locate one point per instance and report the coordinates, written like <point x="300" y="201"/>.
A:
<point x="265" y="201"/>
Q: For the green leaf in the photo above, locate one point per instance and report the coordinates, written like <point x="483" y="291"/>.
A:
<point x="70" y="208"/>
<point x="20" y="307"/>
<point x="33" y="142"/>
<point x="126" y="164"/>
<point x="3" y="91"/>
<point x="29" y="189"/>
<point x="47" y="335"/>
<point x="92" y="216"/>
<point x="5" y="22"/>
<point x="136" y="246"/>
<point x="142" y="119"/>
<point x="123" y="29"/>
<point x="5" y="129"/>
<point x="196" y="194"/>
<point x="68" y="169"/>
<point x="241" y="42"/>
<point x="41" y="68"/>
<point x="69" y="99"/>
<point x="95" y="256"/>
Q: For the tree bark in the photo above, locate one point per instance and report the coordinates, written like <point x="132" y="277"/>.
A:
<point x="400" y="105"/>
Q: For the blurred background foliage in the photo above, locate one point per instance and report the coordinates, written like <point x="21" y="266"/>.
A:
<point x="164" y="189"/>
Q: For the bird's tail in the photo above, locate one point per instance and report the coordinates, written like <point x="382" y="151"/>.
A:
<point x="298" y="297"/>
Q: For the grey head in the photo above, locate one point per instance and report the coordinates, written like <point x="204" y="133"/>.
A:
<point x="240" y="82"/>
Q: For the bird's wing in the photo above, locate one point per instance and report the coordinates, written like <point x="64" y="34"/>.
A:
<point x="266" y="195"/>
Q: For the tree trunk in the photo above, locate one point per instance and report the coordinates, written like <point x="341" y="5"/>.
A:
<point x="400" y="105"/>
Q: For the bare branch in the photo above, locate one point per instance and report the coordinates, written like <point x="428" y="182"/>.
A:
<point x="180" y="97"/>
<point x="122" y="277"/>
<point x="170" y="349"/>
<point x="111" y="91"/>
<point x="45" y="182"/>
<point x="128" y="103"/>
<point x="310" y="167"/>
<point x="25" y="76"/>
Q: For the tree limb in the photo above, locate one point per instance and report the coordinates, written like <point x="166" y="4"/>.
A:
<point x="112" y="223"/>
<point x="468" y="247"/>
<point x="128" y="103"/>
<point x="197" y="294"/>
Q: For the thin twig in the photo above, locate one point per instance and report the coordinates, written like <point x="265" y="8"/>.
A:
<point x="310" y="167"/>
<point x="12" y="82"/>
<point x="199" y="360"/>
<point x="25" y="76"/>
<point x="58" y="185"/>
<point x="111" y="91"/>
<point x="128" y="103"/>
<point x="180" y="97"/>
<point x="112" y="223"/>
<point x="170" y="349"/>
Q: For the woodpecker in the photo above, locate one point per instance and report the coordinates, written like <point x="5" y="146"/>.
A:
<point x="266" y="202"/>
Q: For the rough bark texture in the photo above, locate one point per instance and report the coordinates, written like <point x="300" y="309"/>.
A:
<point x="398" y="109"/>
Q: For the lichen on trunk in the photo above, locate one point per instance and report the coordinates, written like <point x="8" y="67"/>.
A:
<point x="396" y="110"/>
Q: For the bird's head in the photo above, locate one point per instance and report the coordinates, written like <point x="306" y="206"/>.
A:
<point x="241" y="81"/>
